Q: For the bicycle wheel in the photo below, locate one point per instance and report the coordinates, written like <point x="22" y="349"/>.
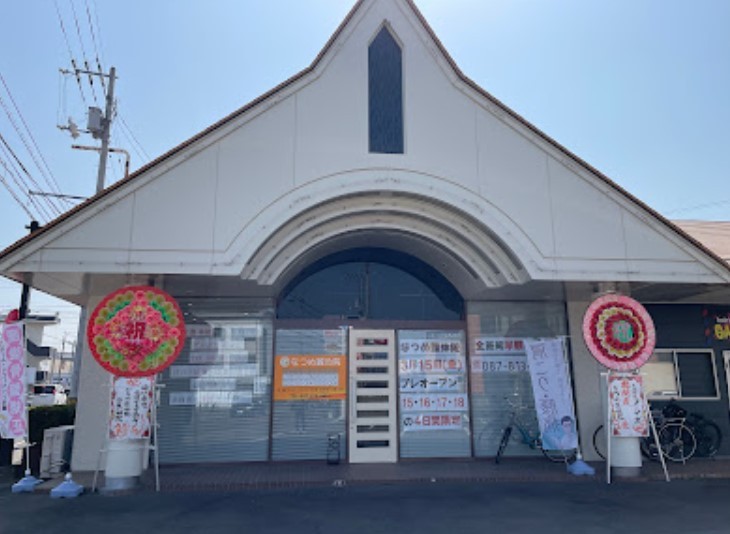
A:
<point x="599" y="442"/>
<point x="709" y="439"/>
<point x="677" y="441"/>
<point x="503" y="443"/>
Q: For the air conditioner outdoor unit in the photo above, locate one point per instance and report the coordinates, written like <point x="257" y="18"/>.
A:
<point x="56" y="452"/>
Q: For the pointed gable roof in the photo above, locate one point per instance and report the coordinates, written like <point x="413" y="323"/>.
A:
<point x="28" y="241"/>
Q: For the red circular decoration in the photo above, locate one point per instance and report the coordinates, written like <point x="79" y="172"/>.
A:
<point x="619" y="332"/>
<point x="136" y="331"/>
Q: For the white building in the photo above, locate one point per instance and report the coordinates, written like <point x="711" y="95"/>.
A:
<point x="379" y="198"/>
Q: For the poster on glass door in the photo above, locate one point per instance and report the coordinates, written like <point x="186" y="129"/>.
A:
<point x="432" y="380"/>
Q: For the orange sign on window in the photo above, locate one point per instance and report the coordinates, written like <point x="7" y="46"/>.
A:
<point x="310" y="377"/>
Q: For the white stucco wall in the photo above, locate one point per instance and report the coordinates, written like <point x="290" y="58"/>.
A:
<point x="92" y="410"/>
<point x="588" y="384"/>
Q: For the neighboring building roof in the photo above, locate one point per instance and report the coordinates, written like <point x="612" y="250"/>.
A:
<point x="714" y="235"/>
<point x="38" y="319"/>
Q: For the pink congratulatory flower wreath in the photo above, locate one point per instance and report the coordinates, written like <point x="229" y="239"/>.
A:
<point x="136" y="331"/>
<point x="619" y="332"/>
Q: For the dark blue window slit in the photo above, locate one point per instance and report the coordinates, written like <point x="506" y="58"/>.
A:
<point x="385" y="77"/>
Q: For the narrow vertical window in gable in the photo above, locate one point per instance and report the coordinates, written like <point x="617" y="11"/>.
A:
<point x="385" y="80"/>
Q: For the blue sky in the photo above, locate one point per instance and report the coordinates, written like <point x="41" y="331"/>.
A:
<point x="640" y="89"/>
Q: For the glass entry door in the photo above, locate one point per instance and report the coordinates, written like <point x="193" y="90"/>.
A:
<point x="372" y="396"/>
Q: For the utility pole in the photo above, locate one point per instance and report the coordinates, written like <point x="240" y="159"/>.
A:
<point x="25" y="292"/>
<point x="99" y="126"/>
<point x="106" y="129"/>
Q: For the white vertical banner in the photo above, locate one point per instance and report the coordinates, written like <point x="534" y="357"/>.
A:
<point x="552" y="392"/>
<point x="13" y="412"/>
<point x="131" y="407"/>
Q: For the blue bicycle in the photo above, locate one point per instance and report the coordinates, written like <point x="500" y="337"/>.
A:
<point x="527" y="437"/>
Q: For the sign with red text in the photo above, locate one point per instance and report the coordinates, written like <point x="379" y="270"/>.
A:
<point x="419" y="422"/>
<point x="13" y="414"/>
<point x="432" y="380"/>
<point x="136" y="331"/>
<point x="433" y="402"/>
<point x="131" y="408"/>
<point x="629" y="417"/>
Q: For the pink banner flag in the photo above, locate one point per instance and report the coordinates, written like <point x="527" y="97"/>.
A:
<point x="13" y="412"/>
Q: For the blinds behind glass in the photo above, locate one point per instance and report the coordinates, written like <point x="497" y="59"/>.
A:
<point x="215" y="403"/>
<point x="498" y="368"/>
<point x="304" y="427"/>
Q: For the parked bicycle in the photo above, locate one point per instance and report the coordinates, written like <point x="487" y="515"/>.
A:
<point x="676" y="439"/>
<point x="681" y="435"/>
<point x="525" y="435"/>
<point x="707" y="433"/>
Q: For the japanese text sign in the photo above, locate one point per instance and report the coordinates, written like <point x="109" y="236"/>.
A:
<point x="310" y="377"/>
<point x="552" y="392"/>
<point x="629" y="417"/>
<point x="131" y="406"/>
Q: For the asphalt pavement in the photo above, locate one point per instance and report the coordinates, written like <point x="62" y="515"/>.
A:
<point x="588" y="506"/>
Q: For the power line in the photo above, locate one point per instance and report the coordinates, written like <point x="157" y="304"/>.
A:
<point x="52" y="182"/>
<point x="83" y="50"/>
<point x="699" y="206"/>
<point x="23" y="185"/>
<point x="141" y="152"/>
<point x="93" y="40"/>
<point x="70" y="54"/>
<point x="30" y="151"/>
<point x="15" y="197"/>
<point x="19" y="184"/>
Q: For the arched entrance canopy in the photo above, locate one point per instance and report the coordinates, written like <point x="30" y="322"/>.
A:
<point x="463" y="249"/>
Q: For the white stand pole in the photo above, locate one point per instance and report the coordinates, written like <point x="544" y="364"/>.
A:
<point x="156" y="447"/>
<point x="607" y="429"/>
<point x="660" y="452"/>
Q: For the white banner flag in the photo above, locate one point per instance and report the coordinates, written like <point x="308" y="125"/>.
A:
<point x="551" y="388"/>
<point x="13" y="413"/>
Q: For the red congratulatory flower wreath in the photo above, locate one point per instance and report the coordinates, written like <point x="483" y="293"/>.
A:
<point x="619" y="332"/>
<point x="136" y="331"/>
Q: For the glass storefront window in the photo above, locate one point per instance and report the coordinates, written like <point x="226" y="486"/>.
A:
<point x="215" y="404"/>
<point x="499" y="373"/>
<point x="433" y="394"/>
<point x="310" y="392"/>
<point x="371" y="284"/>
